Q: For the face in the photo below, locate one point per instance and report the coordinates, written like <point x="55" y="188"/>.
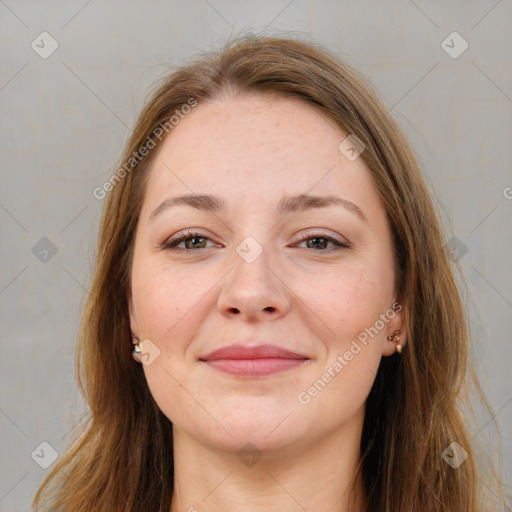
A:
<point x="304" y="293"/>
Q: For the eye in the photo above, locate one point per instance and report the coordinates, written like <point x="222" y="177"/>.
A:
<point x="195" y="238"/>
<point x="320" y="240"/>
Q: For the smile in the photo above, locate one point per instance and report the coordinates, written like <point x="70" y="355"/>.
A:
<point x="259" y="361"/>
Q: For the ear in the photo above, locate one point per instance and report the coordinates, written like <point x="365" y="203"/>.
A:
<point x="131" y="311"/>
<point x="397" y="322"/>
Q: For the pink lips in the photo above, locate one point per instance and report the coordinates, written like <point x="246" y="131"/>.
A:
<point x="256" y="361"/>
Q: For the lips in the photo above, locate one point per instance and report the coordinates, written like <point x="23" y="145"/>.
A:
<point x="261" y="360"/>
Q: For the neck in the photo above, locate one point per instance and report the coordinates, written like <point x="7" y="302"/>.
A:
<point x="316" y="477"/>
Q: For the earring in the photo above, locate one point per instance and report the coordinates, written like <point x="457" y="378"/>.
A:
<point x="137" y="348"/>
<point x="395" y="337"/>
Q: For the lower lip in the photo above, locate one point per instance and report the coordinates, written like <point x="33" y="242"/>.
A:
<point x="255" y="367"/>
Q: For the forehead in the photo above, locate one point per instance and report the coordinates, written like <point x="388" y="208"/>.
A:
<point x="257" y="147"/>
<point x="252" y="130"/>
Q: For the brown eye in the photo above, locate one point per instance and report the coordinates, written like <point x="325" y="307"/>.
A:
<point x="319" y="242"/>
<point x="191" y="240"/>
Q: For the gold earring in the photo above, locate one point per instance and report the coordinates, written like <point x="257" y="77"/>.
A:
<point x="395" y="337"/>
<point x="137" y="348"/>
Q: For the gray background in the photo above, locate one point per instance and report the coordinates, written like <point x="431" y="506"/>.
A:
<point x="64" y="120"/>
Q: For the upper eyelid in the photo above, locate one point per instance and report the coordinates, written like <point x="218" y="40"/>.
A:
<point x="191" y="232"/>
<point x="180" y="237"/>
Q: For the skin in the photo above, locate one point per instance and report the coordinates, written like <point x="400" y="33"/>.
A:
<point x="311" y="298"/>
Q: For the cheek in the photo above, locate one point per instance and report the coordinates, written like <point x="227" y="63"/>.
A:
<point x="351" y="305"/>
<point x="165" y="299"/>
<point x="354" y="306"/>
<point x="346" y="299"/>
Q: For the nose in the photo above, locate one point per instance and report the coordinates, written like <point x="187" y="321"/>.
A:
<point x="254" y="290"/>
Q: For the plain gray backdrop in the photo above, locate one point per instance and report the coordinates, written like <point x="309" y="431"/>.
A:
<point x="66" y="114"/>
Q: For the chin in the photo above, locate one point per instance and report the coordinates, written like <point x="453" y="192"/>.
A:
<point x="268" y="425"/>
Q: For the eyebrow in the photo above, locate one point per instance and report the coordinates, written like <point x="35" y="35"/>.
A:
<point x="289" y="204"/>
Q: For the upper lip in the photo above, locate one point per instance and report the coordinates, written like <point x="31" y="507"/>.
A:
<point x="262" y="351"/>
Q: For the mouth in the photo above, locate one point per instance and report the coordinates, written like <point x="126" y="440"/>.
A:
<point x="258" y="361"/>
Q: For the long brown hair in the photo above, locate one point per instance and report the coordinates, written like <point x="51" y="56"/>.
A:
<point x="121" y="458"/>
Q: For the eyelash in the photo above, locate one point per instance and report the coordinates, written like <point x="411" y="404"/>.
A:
<point x="171" y="244"/>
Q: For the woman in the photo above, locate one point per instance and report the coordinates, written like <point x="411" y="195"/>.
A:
<point x="272" y="252"/>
